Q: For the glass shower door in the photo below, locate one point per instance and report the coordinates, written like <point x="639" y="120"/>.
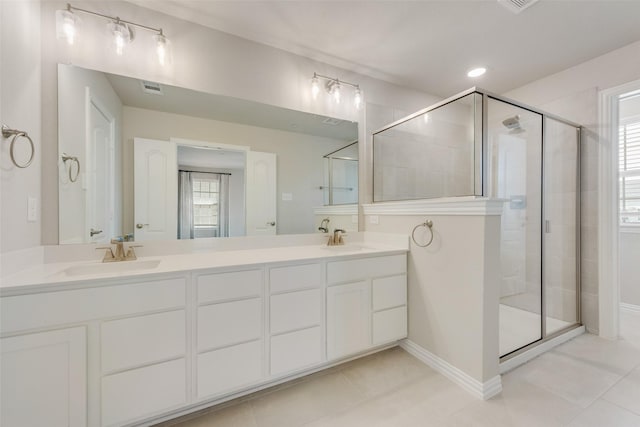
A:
<point x="515" y="175"/>
<point x="561" y="224"/>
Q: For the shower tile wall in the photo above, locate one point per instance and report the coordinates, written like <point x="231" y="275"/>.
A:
<point x="429" y="156"/>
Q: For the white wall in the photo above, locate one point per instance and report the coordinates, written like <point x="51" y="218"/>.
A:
<point x="453" y="289"/>
<point x="72" y="84"/>
<point x="299" y="159"/>
<point x="573" y="94"/>
<point x="206" y="60"/>
<point x="20" y="109"/>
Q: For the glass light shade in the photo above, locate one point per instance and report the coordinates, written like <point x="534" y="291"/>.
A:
<point x="357" y="98"/>
<point x="335" y="91"/>
<point x="315" y="87"/>
<point x="163" y="49"/>
<point x="67" y="24"/>
<point x="121" y="34"/>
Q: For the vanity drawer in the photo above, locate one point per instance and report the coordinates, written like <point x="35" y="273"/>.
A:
<point x="283" y="279"/>
<point x="360" y="269"/>
<point x="389" y="292"/>
<point x="143" y="392"/>
<point x="389" y="325"/>
<point x="295" y="310"/>
<point x="229" y="323"/>
<point x="229" y="368"/>
<point x="227" y="286"/>
<point x="136" y="341"/>
<point x="296" y="350"/>
<point x="64" y="307"/>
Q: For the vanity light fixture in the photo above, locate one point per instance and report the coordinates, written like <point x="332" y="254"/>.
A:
<point x="334" y="86"/>
<point x="67" y="23"/>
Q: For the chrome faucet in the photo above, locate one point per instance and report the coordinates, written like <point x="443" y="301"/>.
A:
<point x="336" y="238"/>
<point x="120" y="254"/>
<point x="324" y="225"/>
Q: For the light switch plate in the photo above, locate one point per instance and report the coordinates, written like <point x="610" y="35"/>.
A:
<point x="373" y="219"/>
<point x="354" y="219"/>
<point x="287" y="196"/>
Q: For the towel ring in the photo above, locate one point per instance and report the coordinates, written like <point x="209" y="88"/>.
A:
<point x="7" y="132"/>
<point x="65" y="158"/>
<point x="428" y="224"/>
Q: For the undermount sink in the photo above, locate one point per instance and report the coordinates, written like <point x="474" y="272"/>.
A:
<point x="345" y="248"/>
<point x="110" y="267"/>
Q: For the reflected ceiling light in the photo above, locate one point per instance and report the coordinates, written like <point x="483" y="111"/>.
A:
<point x="315" y="86"/>
<point x="122" y="32"/>
<point x="477" y="72"/>
<point x="334" y="87"/>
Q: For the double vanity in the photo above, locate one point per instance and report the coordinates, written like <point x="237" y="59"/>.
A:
<point x="134" y="343"/>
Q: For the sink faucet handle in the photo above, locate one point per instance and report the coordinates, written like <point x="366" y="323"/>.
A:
<point x="131" y="253"/>
<point x="108" y="255"/>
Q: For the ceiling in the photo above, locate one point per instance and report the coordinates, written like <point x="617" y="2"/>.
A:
<point x="187" y="102"/>
<point x="427" y="45"/>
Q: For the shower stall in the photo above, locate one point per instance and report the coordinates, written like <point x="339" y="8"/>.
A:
<point x="478" y="144"/>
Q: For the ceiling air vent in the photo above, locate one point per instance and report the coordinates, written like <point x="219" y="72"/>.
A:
<point x="331" y="121"/>
<point x="151" y="87"/>
<point x="517" y="6"/>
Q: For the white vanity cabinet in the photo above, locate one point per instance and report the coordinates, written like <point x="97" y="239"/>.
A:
<point x="119" y="348"/>
<point x="43" y="379"/>
<point x="366" y="304"/>
<point x="229" y="337"/>
<point x="140" y="349"/>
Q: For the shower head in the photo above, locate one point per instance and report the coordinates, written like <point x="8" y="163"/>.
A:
<point x="513" y="124"/>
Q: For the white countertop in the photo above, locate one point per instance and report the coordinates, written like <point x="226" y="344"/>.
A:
<point x="58" y="275"/>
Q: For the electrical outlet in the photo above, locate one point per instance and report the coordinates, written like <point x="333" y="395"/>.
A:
<point x="287" y="196"/>
<point x="354" y="219"/>
<point x="373" y="219"/>
<point x="32" y="209"/>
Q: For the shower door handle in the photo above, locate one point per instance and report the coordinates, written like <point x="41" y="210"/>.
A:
<point x="547" y="226"/>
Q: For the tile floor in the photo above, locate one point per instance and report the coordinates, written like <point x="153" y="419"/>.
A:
<point x="588" y="381"/>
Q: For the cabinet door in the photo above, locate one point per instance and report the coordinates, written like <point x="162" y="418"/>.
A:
<point x="44" y="379"/>
<point x="348" y="319"/>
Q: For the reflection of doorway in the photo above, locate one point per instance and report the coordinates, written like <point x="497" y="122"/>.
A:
<point x="613" y="247"/>
<point x="99" y="189"/>
<point x="629" y="208"/>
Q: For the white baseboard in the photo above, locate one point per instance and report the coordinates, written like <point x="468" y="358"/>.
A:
<point x="630" y="308"/>
<point x="536" y="351"/>
<point x="479" y="389"/>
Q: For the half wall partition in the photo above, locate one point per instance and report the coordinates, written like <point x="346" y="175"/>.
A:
<point x="478" y="144"/>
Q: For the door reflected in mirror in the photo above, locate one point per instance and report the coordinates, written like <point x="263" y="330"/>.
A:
<point x="253" y="168"/>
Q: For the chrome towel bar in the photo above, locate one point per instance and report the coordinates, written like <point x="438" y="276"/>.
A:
<point x="8" y="132"/>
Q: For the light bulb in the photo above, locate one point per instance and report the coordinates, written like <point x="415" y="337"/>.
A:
<point x="121" y="35"/>
<point x="335" y="91"/>
<point x="315" y="87"/>
<point x="161" y="48"/>
<point x="357" y="98"/>
<point x="477" y="72"/>
<point x="67" y="26"/>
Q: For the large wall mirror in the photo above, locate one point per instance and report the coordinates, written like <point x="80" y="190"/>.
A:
<point x="163" y="162"/>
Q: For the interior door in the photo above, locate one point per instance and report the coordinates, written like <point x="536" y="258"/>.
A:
<point x="261" y="193"/>
<point x="99" y="194"/>
<point x="155" y="189"/>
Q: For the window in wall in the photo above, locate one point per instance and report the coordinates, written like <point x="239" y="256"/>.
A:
<point x="206" y="194"/>
<point x="629" y="158"/>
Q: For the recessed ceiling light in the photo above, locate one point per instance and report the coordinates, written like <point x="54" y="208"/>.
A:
<point x="477" y="72"/>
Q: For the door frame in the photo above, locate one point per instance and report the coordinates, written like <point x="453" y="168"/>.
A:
<point x="92" y="99"/>
<point x="608" y="218"/>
